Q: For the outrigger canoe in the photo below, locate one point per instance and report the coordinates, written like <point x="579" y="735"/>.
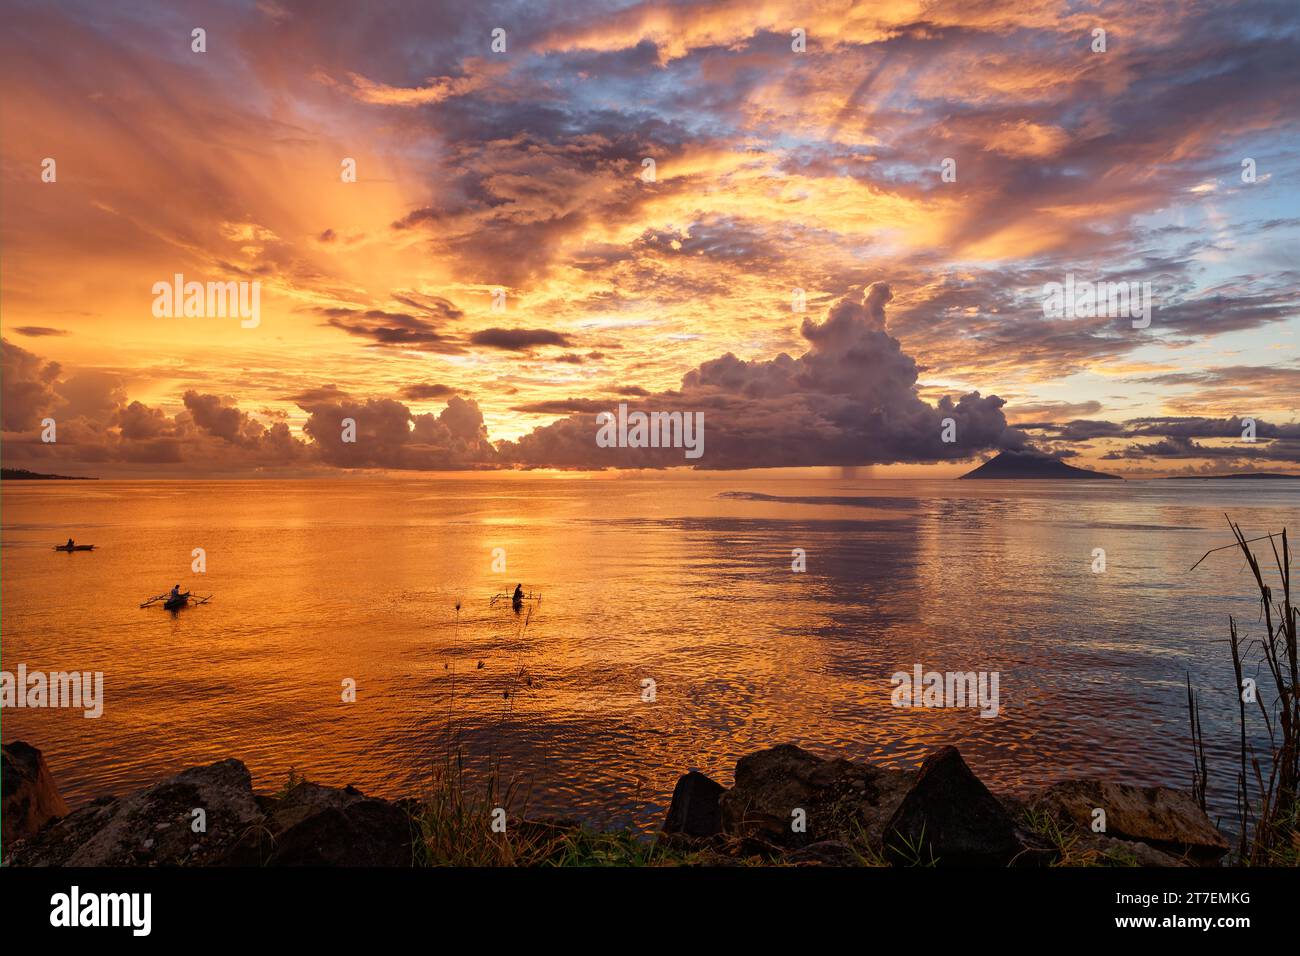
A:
<point x="75" y="547"/>
<point x="175" y="603"/>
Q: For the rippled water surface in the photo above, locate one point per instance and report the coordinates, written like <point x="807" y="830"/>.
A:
<point x="686" y="582"/>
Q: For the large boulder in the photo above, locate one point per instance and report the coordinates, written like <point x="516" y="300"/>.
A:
<point x="313" y="825"/>
<point x="695" y="809"/>
<point x="842" y="801"/>
<point x="1165" y="819"/>
<point x="949" y="818"/>
<point x="310" y="825"/>
<point x="30" y="798"/>
<point x="153" y="826"/>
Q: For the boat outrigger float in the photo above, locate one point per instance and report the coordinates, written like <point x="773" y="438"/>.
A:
<point x="74" y="547"/>
<point x="175" y="603"/>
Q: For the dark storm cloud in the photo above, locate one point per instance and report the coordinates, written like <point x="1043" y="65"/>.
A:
<point x="434" y="308"/>
<point x="1079" y="430"/>
<point x="1196" y="427"/>
<point x="1175" y="428"/>
<point x="518" y="340"/>
<point x="1286" y="450"/>
<point x="392" y="329"/>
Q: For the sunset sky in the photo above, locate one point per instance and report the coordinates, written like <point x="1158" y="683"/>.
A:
<point x="774" y="170"/>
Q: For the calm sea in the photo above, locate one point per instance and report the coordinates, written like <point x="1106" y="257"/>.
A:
<point x="687" y="583"/>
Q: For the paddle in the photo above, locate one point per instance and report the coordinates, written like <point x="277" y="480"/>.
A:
<point x="156" y="597"/>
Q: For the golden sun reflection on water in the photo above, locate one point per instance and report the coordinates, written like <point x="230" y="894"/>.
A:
<point x="674" y="580"/>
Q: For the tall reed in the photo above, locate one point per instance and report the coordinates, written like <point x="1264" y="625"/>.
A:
<point x="468" y="818"/>
<point x="1269" y="824"/>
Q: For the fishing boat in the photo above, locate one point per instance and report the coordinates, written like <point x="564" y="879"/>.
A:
<point x="175" y="603"/>
<point x="74" y="547"/>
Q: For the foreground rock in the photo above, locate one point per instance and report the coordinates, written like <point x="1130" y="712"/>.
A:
<point x="209" y="816"/>
<point x="851" y="813"/>
<point x="949" y="818"/>
<point x="152" y="826"/>
<point x="841" y="801"/>
<point x="1169" y="821"/>
<point x="30" y="798"/>
<point x="695" y="809"/>
<point x="787" y="806"/>
<point x="323" y="826"/>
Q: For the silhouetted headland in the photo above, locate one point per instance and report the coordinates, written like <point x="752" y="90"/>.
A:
<point x="22" y="474"/>
<point x="1024" y="464"/>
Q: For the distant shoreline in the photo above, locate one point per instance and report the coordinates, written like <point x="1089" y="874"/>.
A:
<point x="22" y="474"/>
<point x="1240" y="474"/>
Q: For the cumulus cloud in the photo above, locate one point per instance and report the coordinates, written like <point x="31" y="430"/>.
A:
<point x="27" y="388"/>
<point x="851" y="399"/>
<point x="387" y="435"/>
<point x="139" y="422"/>
<point x="90" y="394"/>
<point x="97" y="424"/>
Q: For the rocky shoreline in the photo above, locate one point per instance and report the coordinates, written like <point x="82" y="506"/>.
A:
<point x="786" y="807"/>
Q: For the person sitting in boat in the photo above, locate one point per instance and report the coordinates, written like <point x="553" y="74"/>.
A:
<point x="176" y="592"/>
<point x="518" y="597"/>
<point x="69" y="544"/>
